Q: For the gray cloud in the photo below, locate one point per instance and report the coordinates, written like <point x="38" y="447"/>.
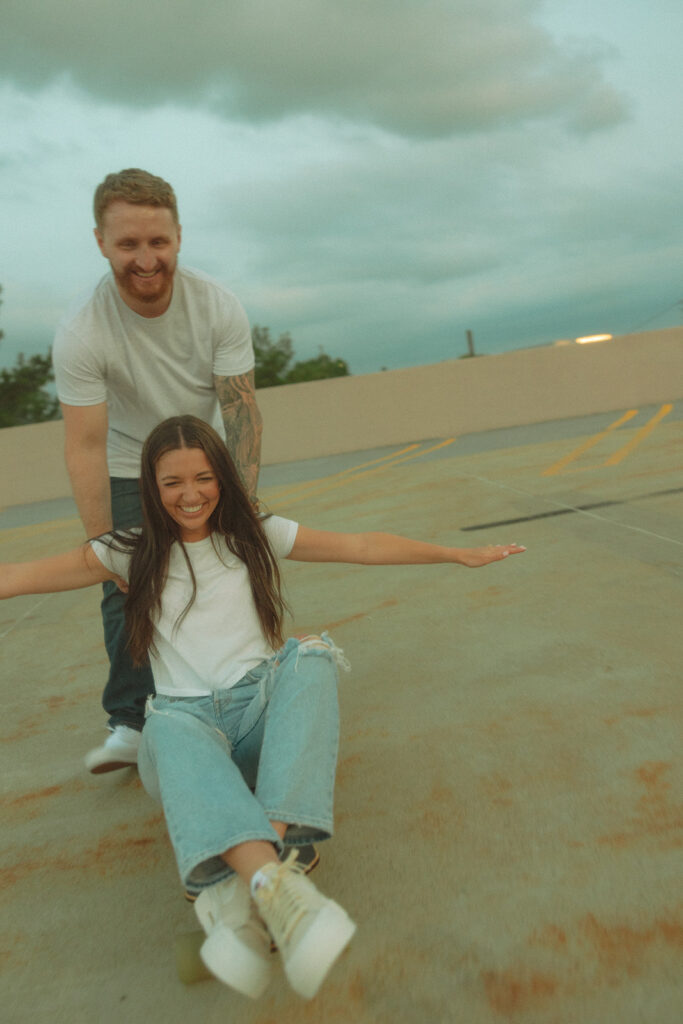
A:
<point x="397" y="214"/>
<point x="381" y="245"/>
<point x="511" y="236"/>
<point x="419" y="69"/>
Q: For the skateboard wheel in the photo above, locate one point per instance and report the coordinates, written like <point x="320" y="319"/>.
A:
<point x="189" y="964"/>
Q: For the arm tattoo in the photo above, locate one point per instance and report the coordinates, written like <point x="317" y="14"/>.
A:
<point x="243" y="425"/>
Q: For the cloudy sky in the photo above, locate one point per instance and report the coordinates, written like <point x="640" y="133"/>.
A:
<point x="374" y="176"/>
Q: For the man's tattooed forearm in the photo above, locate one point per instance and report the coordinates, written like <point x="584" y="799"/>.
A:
<point x="243" y="425"/>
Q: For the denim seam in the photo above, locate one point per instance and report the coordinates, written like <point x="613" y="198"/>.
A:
<point x="306" y="820"/>
<point x="193" y="862"/>
<point x="169" y="712"/>
<point x="197" y="887"/>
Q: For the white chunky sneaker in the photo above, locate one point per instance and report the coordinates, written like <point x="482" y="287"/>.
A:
<point x="309" y="930"/>
<point x="237" y="947"/>
<point x="120" y="750"/>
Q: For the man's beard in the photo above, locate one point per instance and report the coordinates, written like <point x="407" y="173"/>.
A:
<point x="134" y="286"/>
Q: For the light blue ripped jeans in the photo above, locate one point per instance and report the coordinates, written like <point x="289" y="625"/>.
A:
<point x="224" y="766"/>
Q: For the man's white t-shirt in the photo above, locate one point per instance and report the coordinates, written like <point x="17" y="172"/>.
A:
<point x="220" y="639"/>
<point x="149" y="368"/>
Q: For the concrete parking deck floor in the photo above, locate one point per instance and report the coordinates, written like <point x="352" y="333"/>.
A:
<point x="509" y="823"/>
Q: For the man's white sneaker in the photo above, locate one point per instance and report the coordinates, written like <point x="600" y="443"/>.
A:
<point x="237" y="947"/>
<point x="309" y="930"/>
<point x="120" y="750"/>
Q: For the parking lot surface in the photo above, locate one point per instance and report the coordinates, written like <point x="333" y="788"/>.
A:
<point x="508" y="804"/>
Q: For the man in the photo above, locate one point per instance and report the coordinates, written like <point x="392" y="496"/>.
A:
<point x="152" y="340"/>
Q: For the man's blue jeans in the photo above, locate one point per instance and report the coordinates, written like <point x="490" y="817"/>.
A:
<point x="128" y="687"/>
<point x="224" y="766"/>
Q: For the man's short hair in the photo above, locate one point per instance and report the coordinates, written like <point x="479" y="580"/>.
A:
<point x="133" y="186"/>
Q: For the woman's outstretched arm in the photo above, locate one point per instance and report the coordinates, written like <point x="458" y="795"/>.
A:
<point x="389" y="549"/>
<point x="74" y="569"/>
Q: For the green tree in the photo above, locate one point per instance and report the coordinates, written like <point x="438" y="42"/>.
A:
<point x="317" y="369"/>
<point x="23" y="398"/>
<point x="273" y="358"/>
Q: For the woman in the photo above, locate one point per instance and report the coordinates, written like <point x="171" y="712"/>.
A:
<point x="240" y="740"/>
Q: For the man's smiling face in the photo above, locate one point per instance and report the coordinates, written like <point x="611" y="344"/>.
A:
<point x="142" y="245"/>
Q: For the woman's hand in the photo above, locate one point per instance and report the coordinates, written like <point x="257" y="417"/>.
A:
<point x="475" y="557"/>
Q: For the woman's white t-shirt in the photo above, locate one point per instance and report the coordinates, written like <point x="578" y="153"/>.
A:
<point x="220" y="639"/>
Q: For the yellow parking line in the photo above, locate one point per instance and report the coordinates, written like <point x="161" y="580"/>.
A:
<point x="368" y="472"/>
<point x="417" y="455"/>
<point x="350" y="469"/>
<point x="558" y="466"/>
<point x="640" y="436"/>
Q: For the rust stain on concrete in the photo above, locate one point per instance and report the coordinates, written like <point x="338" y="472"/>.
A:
<point x="511" y="992"/>
<point x="636" y="713"/>
<point x="10" y="954"/>
<point x="54" y="703"/>
<point x="487" y="597"/>
<point x="439" y="813"/>
<point x="390" y="603"/>
<point x="29" y="726"/>
<point x="373" y="731"/>
<point x="498" y="789"/>
<point x="65" y="701"/>
<point x="549" y="937"/>
<point x="70" y="699"/>
<point x="620" y="948"/>
<point x="38" y="794"/>
<point x="344" y="1002"/>
<point x="36" y="724"/>
<point x="650" y="774"/>
<point x="30" y="804"/>
<point x="656" y="816"/>
<point x="345" y="767"/>
<point x="114" y="853"/>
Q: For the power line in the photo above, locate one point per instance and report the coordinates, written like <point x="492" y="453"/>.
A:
<point x="661" y="313"/>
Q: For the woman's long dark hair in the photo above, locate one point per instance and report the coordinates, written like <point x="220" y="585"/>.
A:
<point x="234" y="518"/>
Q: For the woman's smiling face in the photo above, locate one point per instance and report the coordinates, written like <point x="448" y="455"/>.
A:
<point x="189" y="490"/>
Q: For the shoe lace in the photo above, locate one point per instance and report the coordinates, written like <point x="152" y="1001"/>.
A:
<point x="283" y="900"/>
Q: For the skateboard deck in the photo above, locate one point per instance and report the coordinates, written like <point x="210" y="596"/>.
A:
<point x="189" y="964"/>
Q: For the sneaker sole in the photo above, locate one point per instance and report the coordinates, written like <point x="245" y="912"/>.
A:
<point x="110" y="766"/>
<point x="320" y="947"/>
<point x="235" y="964"/>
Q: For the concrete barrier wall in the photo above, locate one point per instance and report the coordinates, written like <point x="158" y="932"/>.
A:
<point x="460" y="396"/>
